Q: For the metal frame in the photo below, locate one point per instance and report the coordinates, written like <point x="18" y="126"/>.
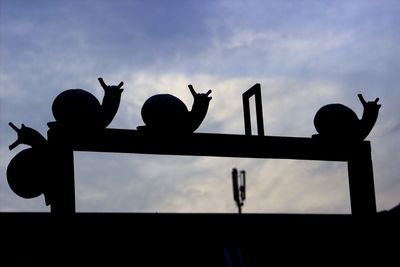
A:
<point x="256" y="91"/>
<point x="357" y="155"/>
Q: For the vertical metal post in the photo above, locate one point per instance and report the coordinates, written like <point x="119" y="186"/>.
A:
<point x="361" y="181"/>
<point x="259" y="111"/>
<point x="62" y="182"/>
<point x="247" y="118"/>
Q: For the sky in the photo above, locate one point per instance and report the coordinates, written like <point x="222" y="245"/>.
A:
<point x="305" y="54"/>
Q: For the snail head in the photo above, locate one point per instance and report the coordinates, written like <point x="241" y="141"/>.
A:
<point x="370" y="106"/>
<point x="111" y="88"/>
<point x="28" y="136"/>
<point x="203" y="97"/>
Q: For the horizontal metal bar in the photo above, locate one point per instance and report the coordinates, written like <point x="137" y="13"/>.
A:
<point x="210" y="144"/>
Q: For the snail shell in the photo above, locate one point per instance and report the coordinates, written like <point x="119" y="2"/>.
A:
<point x="165" y="112"/>
<point x="27" y="172"/>
<point x="77" y="108"/>
<point x="337" y="120"/>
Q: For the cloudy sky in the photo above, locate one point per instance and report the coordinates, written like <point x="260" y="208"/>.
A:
<point x="305" y="54"/>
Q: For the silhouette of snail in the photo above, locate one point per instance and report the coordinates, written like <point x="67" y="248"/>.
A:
<point x="79" y="109"/>
<point x="340" y="122"/>
<point x="166" y="113"/>
<point x="28" y="172"/>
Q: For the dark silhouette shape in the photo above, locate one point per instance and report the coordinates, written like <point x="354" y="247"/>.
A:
<point x="165" y="113"/>
<point x="233" y="257"/>
<point x="56" y="178"/>
<point x="27" y="136"/>
<point x="256" y="91"/>
<point x="28" y="172"/>
<point x="395" y="210"/>
<point x="336" y="121"/>
<point x="79" y="109"/>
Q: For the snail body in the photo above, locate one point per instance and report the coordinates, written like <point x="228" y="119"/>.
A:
<point x="165" y="113"/>
<point x="79" y="109"/>
<point x="340" y="122"/>
<point x="28" y="173"/>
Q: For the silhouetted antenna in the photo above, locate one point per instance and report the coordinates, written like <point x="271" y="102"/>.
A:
<point x="239" y="187"/>
<point x="256" y="91"/>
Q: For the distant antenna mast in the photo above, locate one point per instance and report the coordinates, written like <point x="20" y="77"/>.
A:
<point x="239" y="187"/>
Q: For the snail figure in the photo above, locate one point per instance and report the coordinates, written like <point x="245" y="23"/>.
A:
<point x="336" y="121"/>
<point x="28" y="172"/>
<point x="79" y="109"/>
<point x="165" y="113"/>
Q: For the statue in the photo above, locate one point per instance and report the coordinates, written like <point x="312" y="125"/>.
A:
<point x="28" y="172"/>
<point x="337" y="121"/>
<point x="79" y="109"/>
<point x="165" y="113"/>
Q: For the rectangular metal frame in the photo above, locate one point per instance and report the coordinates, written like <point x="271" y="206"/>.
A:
<point x="357" y="155"/>
<point x="256" y="91"/>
